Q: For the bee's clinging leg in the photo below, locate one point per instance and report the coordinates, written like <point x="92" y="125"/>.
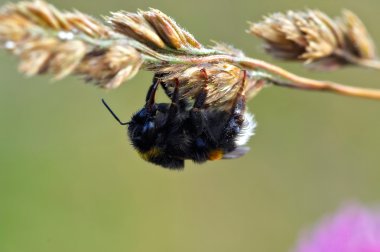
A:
<point x="236" y="120"/>
<point x="202" y="96"/>
<point x="239" y="102"/>
<point x="175" y="95"/>
<point x="173" y="109"/>
<point x="146" y="116"/>
<point x="150" y="96"/>
<point x="195" y="113"/>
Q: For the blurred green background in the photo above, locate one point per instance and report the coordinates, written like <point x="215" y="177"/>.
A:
<point x="70" y="181"/>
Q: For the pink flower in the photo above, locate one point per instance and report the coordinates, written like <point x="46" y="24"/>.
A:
<point x="352" y="229"/>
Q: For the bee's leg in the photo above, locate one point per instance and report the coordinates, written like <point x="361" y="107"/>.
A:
<point x="173" y="109"/>
<point x="148" y="113"/>
<point x="196" y="114"/>
<point x="202" y="96"/>
<point x="237" y="111"/>
<point x="153" y="88"/>
<point x="162" y="107"/>
<point x="151" y="94"/>
<point x="166" y="89"/>
<point x="164" y="85"/>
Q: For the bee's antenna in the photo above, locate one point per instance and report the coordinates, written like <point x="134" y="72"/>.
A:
<point x="114" y="115"/>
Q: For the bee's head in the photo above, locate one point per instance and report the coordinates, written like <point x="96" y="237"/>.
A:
<point x="142" y="130"/>
<point x="145" y="133"/>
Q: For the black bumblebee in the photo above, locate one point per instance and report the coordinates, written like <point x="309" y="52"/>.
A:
<point x="167" y="134"/>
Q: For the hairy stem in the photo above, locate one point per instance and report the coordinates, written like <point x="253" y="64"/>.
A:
<point x="310" y="84"/>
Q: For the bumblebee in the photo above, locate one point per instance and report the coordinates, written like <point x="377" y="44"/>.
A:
<point x="167" y="134"/>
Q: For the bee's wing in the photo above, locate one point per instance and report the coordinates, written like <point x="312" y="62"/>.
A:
<point x="238" y="152"/>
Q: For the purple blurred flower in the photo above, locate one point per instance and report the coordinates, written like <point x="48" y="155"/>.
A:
<point x="352" y="229"/>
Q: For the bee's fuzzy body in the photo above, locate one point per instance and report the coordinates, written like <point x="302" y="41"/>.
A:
<point x="167" y="134"/>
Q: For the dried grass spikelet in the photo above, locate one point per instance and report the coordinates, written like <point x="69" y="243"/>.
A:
<point x="313" y="37"/>
<point x="49" y="55"/>
<point x="223" y="82"/>
<point x="110" y="68"/>
<point x="50" y="41"/>
<point x="154" y="29"/>
<point x="358" y="35"/>
<point x="38" y="16"/>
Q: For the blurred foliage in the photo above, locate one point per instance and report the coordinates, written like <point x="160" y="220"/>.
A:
<point x="70" y="181"/>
